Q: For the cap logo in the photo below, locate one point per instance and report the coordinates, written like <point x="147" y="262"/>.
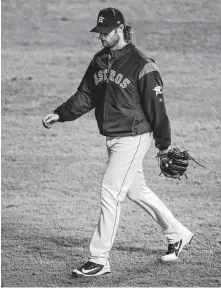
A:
<point x="118" y="22"/>
<point x="101" y="19"/>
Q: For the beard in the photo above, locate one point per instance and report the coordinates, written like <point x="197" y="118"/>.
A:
<point x="113" y="42"/>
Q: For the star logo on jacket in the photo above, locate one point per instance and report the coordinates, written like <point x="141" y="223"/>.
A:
<point x="158" y="90"/>
<point x="101" y="19"/>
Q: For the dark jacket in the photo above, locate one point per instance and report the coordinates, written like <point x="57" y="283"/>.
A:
<point x="125" y="88"/>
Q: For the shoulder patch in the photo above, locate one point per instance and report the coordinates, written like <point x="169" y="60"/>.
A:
<point x="149" y="67"/>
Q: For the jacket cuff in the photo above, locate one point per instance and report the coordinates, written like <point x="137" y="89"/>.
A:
<point x="164" y="151"/>
<point x="56" y="111"/>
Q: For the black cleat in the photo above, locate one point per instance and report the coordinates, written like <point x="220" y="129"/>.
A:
<point x="174" y="249"/>
<point x="91" y="269"/>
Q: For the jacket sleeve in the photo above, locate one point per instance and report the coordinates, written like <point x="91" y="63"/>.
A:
<point x="81" y="102"/>
<point x="152" y="101"/>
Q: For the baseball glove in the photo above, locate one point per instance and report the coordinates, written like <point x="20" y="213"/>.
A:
<point x="174" y="163"/>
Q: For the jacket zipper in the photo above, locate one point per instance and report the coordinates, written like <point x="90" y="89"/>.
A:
<point x="109" y="65"/>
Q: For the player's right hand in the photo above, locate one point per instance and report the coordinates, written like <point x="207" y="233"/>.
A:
<point x="50" y="119"/>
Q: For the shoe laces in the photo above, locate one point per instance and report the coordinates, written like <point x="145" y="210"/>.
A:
<point x="89" y="265"/>
<point x="171" y="249"/>
<point x="174" y="247"/>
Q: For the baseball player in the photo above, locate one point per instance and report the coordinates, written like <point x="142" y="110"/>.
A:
<point x="126" y="90"/>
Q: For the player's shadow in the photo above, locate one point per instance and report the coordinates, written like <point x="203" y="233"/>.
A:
<point x="131" y="249"/>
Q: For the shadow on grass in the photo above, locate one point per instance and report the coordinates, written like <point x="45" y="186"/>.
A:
<point x="136" y="249"/>
<point x="70" y="241"/>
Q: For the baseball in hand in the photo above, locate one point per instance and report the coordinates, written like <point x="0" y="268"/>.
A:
<point x="50" y="119"/>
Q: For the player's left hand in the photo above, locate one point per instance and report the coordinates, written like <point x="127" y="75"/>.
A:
<point x="174" y="162"/>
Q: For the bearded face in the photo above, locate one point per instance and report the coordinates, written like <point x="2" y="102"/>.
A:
<point x="110" y="40"/>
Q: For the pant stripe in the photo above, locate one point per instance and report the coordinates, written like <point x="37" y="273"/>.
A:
<point x="117" y="208"/>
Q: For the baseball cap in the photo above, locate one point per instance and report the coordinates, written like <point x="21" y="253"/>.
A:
<point x="107" y="20"/>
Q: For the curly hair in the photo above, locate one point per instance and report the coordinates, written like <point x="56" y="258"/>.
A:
<point x="128" y="32"/>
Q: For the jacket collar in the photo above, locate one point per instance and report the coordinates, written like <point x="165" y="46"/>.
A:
<point x="101" y="58"/>
<point x="117" y="54"/>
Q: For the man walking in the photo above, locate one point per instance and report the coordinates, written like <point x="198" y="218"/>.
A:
<point x="126" y="90"/>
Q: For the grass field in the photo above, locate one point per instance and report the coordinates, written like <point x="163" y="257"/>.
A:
<point x="51" y="179"/>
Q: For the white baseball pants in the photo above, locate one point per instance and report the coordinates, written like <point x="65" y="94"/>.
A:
<point x="124" y="176"/>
